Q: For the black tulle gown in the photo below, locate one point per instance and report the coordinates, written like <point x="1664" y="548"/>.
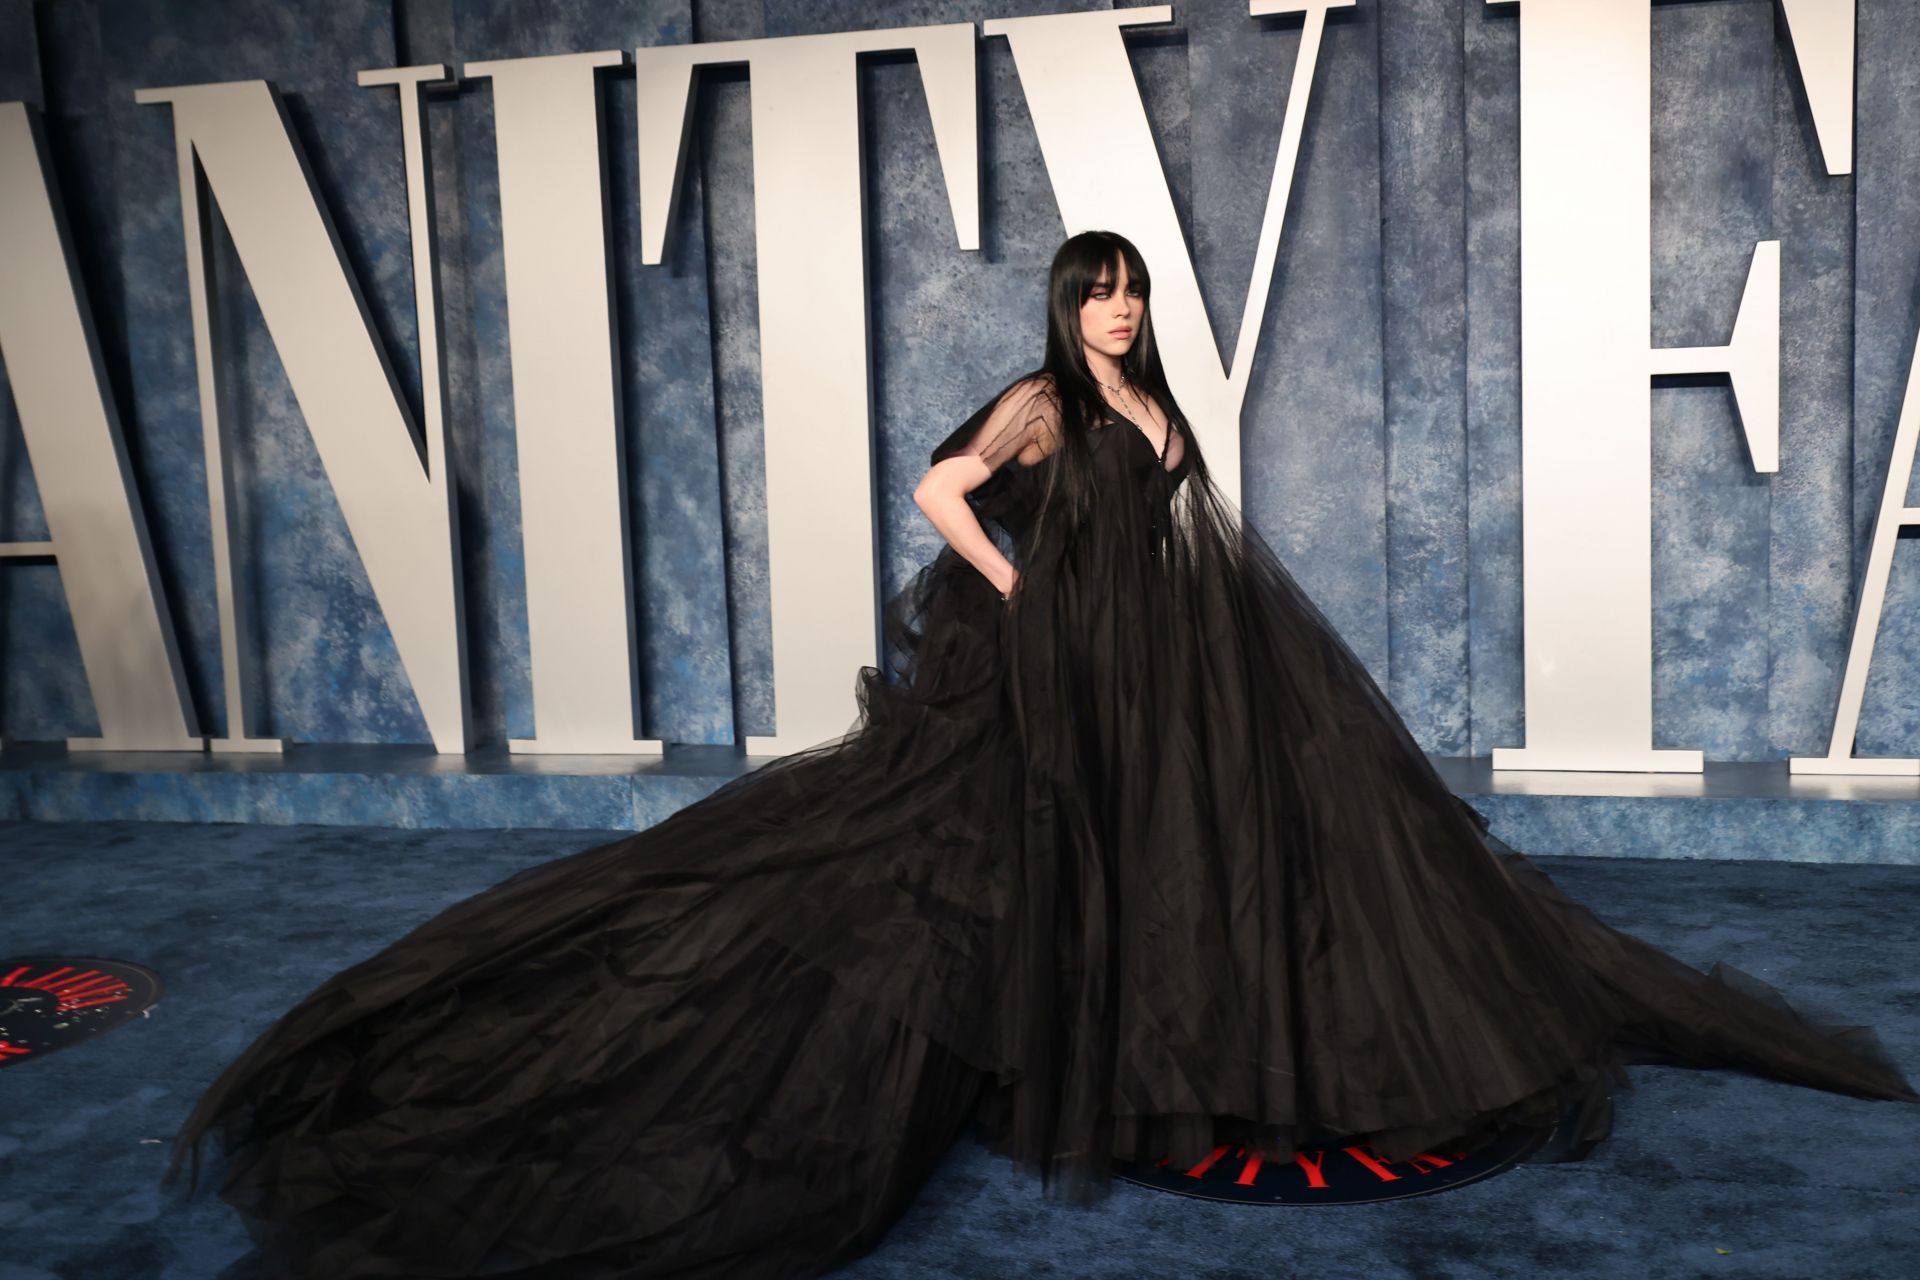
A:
<point x="1139" y="862"/>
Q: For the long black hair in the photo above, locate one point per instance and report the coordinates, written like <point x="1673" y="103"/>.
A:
<point x="1076" y="269"/>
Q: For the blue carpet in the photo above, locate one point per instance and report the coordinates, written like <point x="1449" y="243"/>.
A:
<point x="243" y="920"/>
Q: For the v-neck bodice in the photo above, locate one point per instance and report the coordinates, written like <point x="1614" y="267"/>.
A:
<point x="1115" y="417"/>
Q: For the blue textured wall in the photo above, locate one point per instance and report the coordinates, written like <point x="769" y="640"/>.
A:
<point x="1381" y="432"/>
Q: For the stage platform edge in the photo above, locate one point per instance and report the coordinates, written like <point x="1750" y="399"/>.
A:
<point x="1730" y="810"/>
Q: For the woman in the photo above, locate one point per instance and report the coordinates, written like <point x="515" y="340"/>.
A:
<point x="1126" y="857"/>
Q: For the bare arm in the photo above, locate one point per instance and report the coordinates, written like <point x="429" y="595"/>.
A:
<point x="942" y="495"/>
<point x="1022" y="424"/>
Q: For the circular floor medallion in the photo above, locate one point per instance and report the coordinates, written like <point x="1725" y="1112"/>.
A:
<point x="50" y="1002"/>
<point x="1338" y="1173"/>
